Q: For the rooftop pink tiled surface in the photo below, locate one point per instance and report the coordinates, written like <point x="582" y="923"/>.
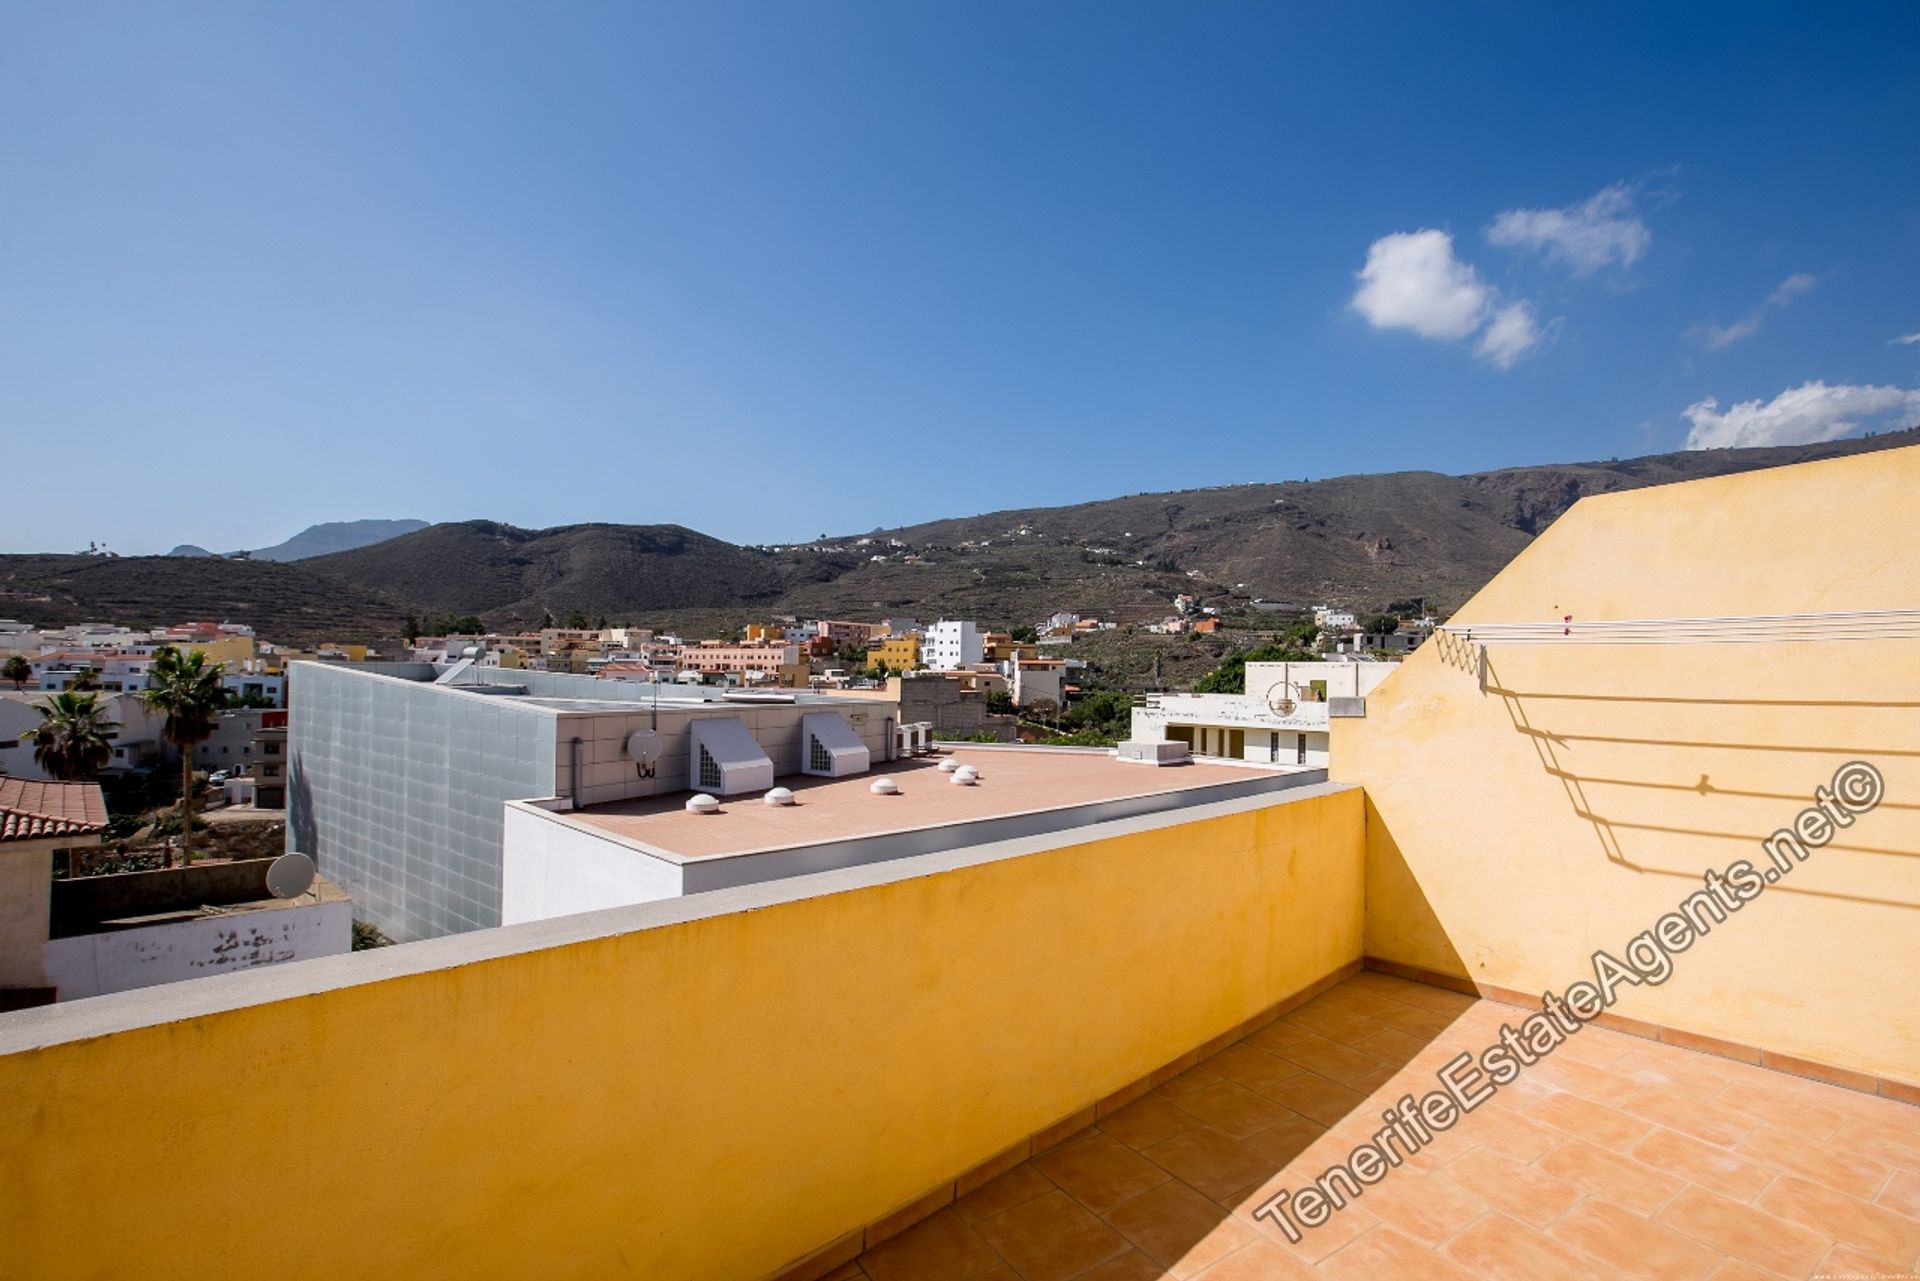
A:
<point x="1615" y="1157"/>
<point x="1011" y="782"/>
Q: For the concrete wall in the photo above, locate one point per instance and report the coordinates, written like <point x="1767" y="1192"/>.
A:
<point x="552" y="868"/>
<point x="80" y="903"/>
<point x="704" y="1089"/>
<point x="395" y="788"/>
<point x="1580" y="797"/>
<point x="122" y="960"/>
<point x="26" y="878"/>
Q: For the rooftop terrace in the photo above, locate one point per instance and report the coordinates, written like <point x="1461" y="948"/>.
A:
<point x="1017" y="782"/>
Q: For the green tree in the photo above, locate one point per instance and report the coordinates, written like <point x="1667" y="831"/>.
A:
<point x="1231" y="676"/>
<point x="577" y="621"/>
<point x="84" y="679"/>
<point x="186" y="690"/>
<point x="411" y="628"/>
<point x="18" y="670"/>
<point x="1379" y="624"/>
<point x="71" y="741"/>
<point x="1023" y="634"/>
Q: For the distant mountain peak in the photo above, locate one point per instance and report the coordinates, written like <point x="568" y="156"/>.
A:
<point x="337" y="536"/>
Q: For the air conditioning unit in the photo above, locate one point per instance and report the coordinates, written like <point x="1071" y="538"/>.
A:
<point x="726" y="759"/>
<point x="1146" y="752"/>
<point x="829" y="748"/>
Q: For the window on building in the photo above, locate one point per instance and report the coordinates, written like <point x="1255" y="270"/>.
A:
<point x="1300" y="751"/>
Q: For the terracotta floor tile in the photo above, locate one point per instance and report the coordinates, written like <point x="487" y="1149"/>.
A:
<point x="1842" y="1218"/>
<point x="1384" y="1254"/>
<point x="1630" y="1184"/>
<point x="1146" y="1121"/>
<point x="1602" y="1085"/>
<point x="1329" y="1058"/>
<point x="1744" y="1232"/>
<point x="1099" y="1171"/>
<point x="1316" y="1243"/>
<point x="1423" y="1207"/>
<point x="941" y="1247"/>
<point x="1020" y="1184"/>
<point x="1721" y="1169"/>
<point x="1508" y="1133"/>
<point x="1251" y="1067"/>
<point x="1532" y="1196"/>
<point x="1275" y="1037"/>
<point x="1260" y="1261"/>
<point x="1215" y="1164"/>
<point x="1851" y="1261"/>
<point x="1902" y="1194"/>
<point x="1498" y="1249"/>
<point x="1285" y="1140"/>
<point x="1232" y="1108"/>
<point x="1632" y="1245"/>
<point x="1191" y="1079"/>
<point x="1317" y="1097"/>
<point x="1131" y="1266"/>
<point x="1391" y="1044"/>
<point x="1849" y="1172"/>
<point x="1741" y="1270"/>
<point x="1808" y="1118"/>
<point x="1585" y="1119"/>
<point x="1179" y="1228"/>
<point x="1437" y="1000"/>
<point x="1699" y="1118"/>
<point x="1050" y="1238"/>
<point x="1888" y="1143"/>
<point x="1332" y="1023"/>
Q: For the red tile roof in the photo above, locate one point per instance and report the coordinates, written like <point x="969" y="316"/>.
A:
<point x="34" y="811"/>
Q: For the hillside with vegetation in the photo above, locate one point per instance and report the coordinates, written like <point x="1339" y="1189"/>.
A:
<point x="1356" y="541"/>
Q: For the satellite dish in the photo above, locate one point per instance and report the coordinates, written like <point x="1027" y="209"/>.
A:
<point x="290" y="875"/>
<point x="643" y="746"/>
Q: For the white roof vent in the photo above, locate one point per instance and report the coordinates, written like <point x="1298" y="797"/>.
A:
<point x="883" y="787"/>
<point x="963" y="777"/>
<point x="829" y="748"/>
<point x="779" y="796"/>
<point x="949" y="765"/>
<point x="702" y="804"/>
<point x="725" y="758"/>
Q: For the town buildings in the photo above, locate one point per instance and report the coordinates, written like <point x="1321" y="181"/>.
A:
<point x="1219" y="999"/>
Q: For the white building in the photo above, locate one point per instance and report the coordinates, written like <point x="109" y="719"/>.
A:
<point x="952" y="646"/>
<point x="135" y="733"/>
<point x="1283" y="718"/>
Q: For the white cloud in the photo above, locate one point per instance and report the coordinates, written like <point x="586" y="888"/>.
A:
<point x="1812" y="411"/>
<point x="1905" y="340"/>
<point x="1413" y="281"/>
<point x="1600" y="230"/>
<point x="1513" y="333"/>
<point x="1719" y="337"/>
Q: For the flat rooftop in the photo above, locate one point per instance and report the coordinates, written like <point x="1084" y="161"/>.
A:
<point x="1014" y="782"/>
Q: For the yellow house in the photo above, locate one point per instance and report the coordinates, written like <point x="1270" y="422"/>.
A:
<point x="900" y="653"/>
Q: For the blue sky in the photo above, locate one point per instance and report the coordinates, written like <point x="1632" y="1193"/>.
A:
<point x="774" y="270"/>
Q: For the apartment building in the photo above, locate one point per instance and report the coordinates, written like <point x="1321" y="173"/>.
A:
<point x="899" y="653"/>
<point x="951" y="645"/>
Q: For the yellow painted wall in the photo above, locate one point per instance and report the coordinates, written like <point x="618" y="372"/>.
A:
<point x="899" y="654"/>
<point x="1512" y="833"/>
<point x="710" y="1099"/>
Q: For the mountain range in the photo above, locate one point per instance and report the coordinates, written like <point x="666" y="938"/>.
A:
<point x="319" y="540"/>
<point x="1360" y="541"/>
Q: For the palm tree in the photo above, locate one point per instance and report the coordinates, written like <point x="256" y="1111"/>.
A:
<point x="18" y="670"/>
<point x="187" y="691"/>
<point x="71" y="741"/>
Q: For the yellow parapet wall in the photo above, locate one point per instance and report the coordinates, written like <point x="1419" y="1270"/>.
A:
<point x="632" y="1094"/>
<point x="1512" y="832"/>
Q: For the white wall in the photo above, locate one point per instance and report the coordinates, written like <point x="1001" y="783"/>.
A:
<point x="1343" y="680"/>
<point x="553" y="868"/>
<point x="121" y="960"/>
<point x="26" y="891"/>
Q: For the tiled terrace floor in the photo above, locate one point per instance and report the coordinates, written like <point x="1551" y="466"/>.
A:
<point x="1616" y="1156"/>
